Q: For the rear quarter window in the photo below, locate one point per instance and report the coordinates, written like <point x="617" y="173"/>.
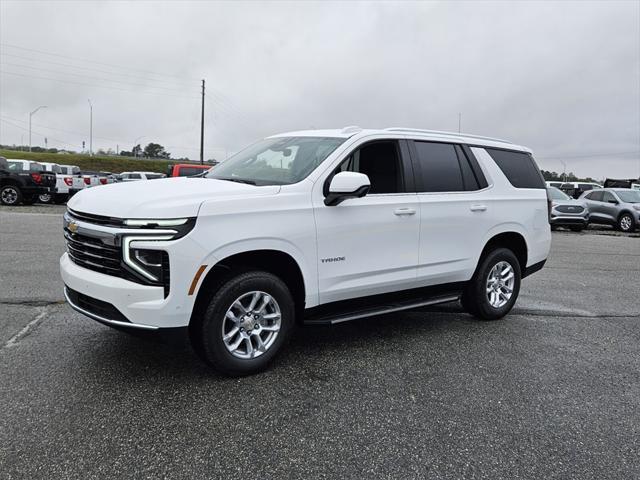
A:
<point x="519" y="168"/>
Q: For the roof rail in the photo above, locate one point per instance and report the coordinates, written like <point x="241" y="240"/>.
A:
<point x="351" y="129"/>
<point x="447" y="134"/>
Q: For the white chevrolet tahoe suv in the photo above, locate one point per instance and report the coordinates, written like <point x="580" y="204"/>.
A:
<point x="311" y="227"/>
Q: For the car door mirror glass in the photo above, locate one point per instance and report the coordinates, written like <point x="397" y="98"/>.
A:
<point x="347" y="185"/>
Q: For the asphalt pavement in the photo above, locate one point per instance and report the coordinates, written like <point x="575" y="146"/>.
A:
<point x="552" y="391"/>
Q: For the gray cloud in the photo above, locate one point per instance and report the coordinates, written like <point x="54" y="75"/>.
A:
<point x="560" y="77"/>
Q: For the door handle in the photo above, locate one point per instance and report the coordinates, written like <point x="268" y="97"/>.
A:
<point x="404" y="211"/>
<point x="478" y="208"/>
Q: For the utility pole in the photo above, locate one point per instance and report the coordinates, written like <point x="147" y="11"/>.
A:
<point x="459" y="122"/>
<point x="31" y="115"/>
<point x="135" y="144"/>
<point x="564" y="171"/>
<point x="90" y="127"/>
<point x="202" y="128"/>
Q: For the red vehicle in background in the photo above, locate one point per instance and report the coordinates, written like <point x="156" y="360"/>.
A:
<point x="186" y="170"/>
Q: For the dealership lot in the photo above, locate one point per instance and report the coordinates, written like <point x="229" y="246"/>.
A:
<point x="552" y="391"/>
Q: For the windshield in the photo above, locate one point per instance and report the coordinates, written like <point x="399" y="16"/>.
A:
<point x="276" y="161"/>
<point x="556" y="194"/>
<point x="629" y="196"/>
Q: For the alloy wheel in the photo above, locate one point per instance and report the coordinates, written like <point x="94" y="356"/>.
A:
<point x="9" y="195"/>
<point x="500" y="283"/>
<point x="625" y="223"/>
<point x="251" y="325"/>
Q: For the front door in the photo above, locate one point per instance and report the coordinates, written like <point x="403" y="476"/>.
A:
<point x="369" y="245"/>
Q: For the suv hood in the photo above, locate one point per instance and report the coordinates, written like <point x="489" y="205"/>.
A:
<point x="162" y="198"/>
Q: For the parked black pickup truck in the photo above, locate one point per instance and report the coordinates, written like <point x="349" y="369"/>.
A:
<point x="23" y="180"/>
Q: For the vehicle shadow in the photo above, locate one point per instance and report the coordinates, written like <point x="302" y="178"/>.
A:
<point x="134" y="357"/>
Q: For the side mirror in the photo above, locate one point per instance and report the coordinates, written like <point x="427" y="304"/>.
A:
<point x="347" y="185"/>
<point x="615" y="202"/>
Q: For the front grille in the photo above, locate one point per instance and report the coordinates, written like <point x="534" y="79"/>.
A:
<point x="92" y="254"/>
<point x="95" y="255"/>
<point x="574" y="209"/>
<point x="97" y="307"/>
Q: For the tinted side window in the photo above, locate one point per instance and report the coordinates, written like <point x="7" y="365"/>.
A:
<point x="595" y="196"/>
<point x="380" y="161"/>
<point x="518" y="167"/>
<point x="135" y="175"/>
<point x="608" y="197"/>
<point x="439" y="168"/>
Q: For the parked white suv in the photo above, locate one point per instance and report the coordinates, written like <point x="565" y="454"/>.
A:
<point x="318" y="226"/>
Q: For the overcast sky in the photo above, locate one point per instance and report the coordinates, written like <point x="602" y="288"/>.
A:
<point x="560" y="77"/>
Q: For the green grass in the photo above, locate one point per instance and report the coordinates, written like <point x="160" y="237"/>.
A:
<point x="96" y="163"/>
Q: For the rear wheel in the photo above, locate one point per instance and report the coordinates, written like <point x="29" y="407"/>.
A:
<point x="494" y="288"/>
<point x="626" y="223"/>
<point x="10" y="195"/>
<point x="246" y="323"/>
<point x="45" y="198"/>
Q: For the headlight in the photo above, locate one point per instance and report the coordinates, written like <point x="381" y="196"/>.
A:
<point x="145" y="261"/>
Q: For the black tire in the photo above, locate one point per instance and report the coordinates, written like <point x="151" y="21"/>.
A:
<point x="577" y="228"/>
<point x="10" y="195"/>
<point x="626" y="223"/>
<point x="45" y="198"/>
<point x="209" y="344"/>
<point x="554" y="228"/>
<point x="474" y="298"/>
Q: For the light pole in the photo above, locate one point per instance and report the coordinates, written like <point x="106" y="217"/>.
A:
<point x="90" y="127"/>
<point x="135" y="143"/>
<point x="31" y="115"/>
<point x="564" y="172"/>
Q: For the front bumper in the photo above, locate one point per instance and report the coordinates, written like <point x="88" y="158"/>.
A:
<point x="142" y="307"/>
<point x="569" y="220"/>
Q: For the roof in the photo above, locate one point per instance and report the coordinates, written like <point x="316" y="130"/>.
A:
<point x="435" y="135"/>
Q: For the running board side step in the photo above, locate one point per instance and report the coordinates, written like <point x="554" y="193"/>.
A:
<point x="379" y="310"/>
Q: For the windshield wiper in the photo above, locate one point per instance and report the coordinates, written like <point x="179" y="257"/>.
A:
<point x="238" y="180"/>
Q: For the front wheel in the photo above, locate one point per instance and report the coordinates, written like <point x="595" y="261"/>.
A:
<point x="494" y="288"/>
<point x="10" y="195"/>
<point x="626" y="223"/>
<point x="247" y="321"/>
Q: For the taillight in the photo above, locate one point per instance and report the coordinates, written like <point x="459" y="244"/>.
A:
<point x="68" y="181"/>
<point x="549" y="206"/>
<point x="37" y="178"/>
<point x="87" y="180"/>
<point x="103" y="181"/>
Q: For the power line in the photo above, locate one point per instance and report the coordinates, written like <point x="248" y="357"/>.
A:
<point x="89" y="69"/>
<point x="85" y="60"/>
<point x="37" y="133"/>
<point x="89" y="76"/>
<point x="94" y="85"/>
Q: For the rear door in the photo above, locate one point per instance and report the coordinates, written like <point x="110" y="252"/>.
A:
<point x="369" y="245"/>
<point x="595" y="205"/>
<point x="455" y="215"/>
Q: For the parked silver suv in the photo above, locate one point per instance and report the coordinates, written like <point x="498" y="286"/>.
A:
<point x="567" y="212"/>
<point x="619" y="207"/>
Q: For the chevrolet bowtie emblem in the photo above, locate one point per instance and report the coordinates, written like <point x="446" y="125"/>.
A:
<point x="73" y="227"/>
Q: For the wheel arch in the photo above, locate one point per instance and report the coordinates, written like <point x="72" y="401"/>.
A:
<point x="277" y="262"/>
<point x="514" y="241"/>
